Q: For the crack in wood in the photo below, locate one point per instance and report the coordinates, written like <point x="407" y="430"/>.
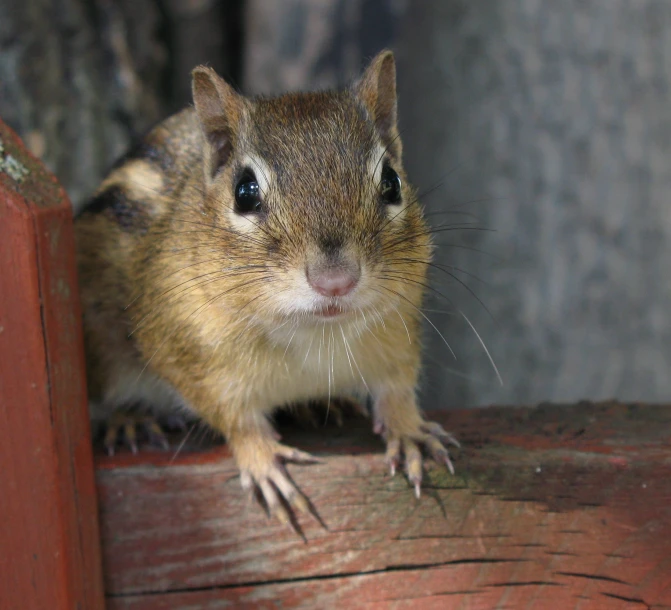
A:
<point x="43" y="320"/>
<point x="632" y="600"/>
<point x="440" y="594"/>
<point x="594" y="577"/>
<point x="321" y="577"/>
<point x="530" y="583"/>
<point x="457" y="537"/>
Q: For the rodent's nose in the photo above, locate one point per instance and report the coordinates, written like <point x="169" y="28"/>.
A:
<point x="333" y="282"/>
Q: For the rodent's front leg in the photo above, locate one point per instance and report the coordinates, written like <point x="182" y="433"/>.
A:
<point x="406" y="432"/>
<point x="261" y="460"/>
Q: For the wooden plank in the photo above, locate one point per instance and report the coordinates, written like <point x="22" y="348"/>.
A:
<point x="552" y="507"/>
<point x="49" y="536"/>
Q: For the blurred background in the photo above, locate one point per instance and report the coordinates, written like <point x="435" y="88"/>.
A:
<point x="547" y="122"/>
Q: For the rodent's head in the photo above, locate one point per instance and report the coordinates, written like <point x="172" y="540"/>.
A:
<point x="310" y="199"/>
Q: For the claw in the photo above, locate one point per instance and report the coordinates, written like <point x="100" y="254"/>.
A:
<point x="282" y="515"/>
<point x="292" y="495"/>
<point x="131" y="428"/>
<point x="156" y="435"/>
<point x="110" y="440"/>
<point x="378" y="427"/>
<point x="437" y="430"/>
<point x="431" y="437"/>
<point x="306" y="415"/>
<point x="337" y="414"/>
<point x="316" y="413"/>
<point x="267" y="476"/>
<point x="453" y="441"/>
<point x="131" y="436"/>
<point x="448" y="463"/>
<point x="301" y="503"/>
<point x="175" y="422"/>
<point x="296" y="455"/>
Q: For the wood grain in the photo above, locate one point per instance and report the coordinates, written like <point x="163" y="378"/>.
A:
<point x="49" y="535"/>
<point x="552" y="507"/>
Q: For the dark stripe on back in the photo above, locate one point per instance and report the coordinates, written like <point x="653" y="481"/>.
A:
<point x="148" y="152"/>
<point x="115" y="204"/>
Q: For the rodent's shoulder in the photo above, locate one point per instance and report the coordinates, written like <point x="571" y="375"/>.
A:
<point x="141" y="183"/>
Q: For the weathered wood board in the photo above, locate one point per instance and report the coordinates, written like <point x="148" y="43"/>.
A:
<point x="552" y="507"/>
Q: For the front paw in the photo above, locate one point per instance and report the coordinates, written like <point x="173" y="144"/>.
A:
<point x="427" y="436"/>
<point x="262" y="461"/>
<point x="131" y="428"/>
<point x="318" y="413"/>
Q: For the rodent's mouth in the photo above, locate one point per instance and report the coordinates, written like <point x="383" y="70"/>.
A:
<point x="330" y="311"/>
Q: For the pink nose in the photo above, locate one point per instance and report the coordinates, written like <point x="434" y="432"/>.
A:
<point x="333" y="282"/>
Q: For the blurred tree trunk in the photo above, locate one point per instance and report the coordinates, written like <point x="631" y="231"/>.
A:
<point x="79" y="79"/>
<point x="313" y="44"/>
<point x="201" y="32"/>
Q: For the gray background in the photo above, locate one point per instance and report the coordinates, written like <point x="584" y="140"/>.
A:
<point x="547" y="122"/>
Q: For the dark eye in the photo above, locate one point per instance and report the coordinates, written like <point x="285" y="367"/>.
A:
<point x="247" y="194"/>
<point x="390" y="185"/>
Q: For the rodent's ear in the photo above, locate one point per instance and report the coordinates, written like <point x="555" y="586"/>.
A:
<point x="377" y="90"/>
<point x="220" y="110"/>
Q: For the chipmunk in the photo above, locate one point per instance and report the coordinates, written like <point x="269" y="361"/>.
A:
<point x="254" y="252"/>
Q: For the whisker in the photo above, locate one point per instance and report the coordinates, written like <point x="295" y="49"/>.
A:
<point x="179" y="327"/>
<point x="404" y="324"/>
<point x="496" y="370"/>
<point x="202" y="262"/>
<point x="219" y="276"/>
<point x="349" y="349"/>
<point x="421" y="313"/>
<point x="398" y="276"/>
<point x="456" y="279"/>
<point x="446" y="268"/>
<point x="286" y="349"/>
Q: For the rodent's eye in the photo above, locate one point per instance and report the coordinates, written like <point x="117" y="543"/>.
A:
<point x="390" y="185"/>
<point x="247" y="194"/>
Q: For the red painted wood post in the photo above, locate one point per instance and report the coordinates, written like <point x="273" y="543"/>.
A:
<point x="49" y="535"/>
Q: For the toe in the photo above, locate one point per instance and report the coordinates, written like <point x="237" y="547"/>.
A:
<point x="246" y="480"/>
<point x="435" y="448"/>
<point x="272" y="500"/>
<point x="437" y="430"/>
<point x="295" y="455"/>
<point x="413" y="462"/>
<point x="281" y="497"/>
<point x="336" y="411"/>
<point x="176" y="422"/>
<point x="111" y="438"/>
<point x="130" y="434"/>
<point x="155" y="433"/>
<point x="305" y="414"/>
<point x="393" y="456"/>
<point x="286" y="488"/>
<point x="289" y="491"/>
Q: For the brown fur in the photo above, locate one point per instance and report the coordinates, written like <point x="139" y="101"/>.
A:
<point x="188" y="304"/>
